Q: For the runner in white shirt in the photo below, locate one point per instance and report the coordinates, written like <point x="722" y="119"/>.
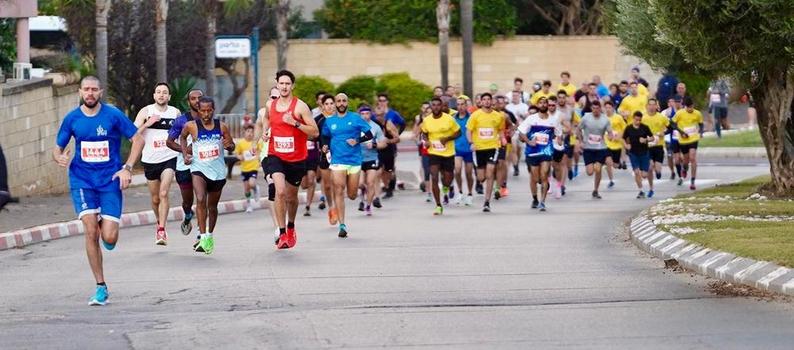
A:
<point x="159" y="161"/>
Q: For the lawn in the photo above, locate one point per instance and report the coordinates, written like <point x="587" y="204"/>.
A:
<point x="746" y="138"/>
<point x="734" y="231"/>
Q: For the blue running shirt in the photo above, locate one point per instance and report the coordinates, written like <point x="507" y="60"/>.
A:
<point x="340" y="129"/>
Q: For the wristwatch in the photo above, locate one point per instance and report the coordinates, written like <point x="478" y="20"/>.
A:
<point x="127" y="167"/>
<point x="297" y="125"/>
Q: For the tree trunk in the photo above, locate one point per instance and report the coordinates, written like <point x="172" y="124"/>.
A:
<point x="237" y="89"/>
<point x="160" y="40"/>
<point x="209" y="63"/>
<point x="282" y="33"/>
<point x="466" y="30"/>
<point x="774" y="97"/>
<point x="442" y="17"/>
<point x="101" y="60"/>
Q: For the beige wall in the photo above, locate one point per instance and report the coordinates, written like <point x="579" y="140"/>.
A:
<point x="533" y="58"/>
<point x="29" y="120"/>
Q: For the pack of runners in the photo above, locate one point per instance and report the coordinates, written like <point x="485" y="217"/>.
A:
<point x="465" y="146"/>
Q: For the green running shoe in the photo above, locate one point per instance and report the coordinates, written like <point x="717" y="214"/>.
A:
<point x="207" y="245"/>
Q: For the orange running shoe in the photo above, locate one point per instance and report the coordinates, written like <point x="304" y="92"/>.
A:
<point x="504" y="192"/>
<point x="292" y="237"/>
<point x="332" y="218"/>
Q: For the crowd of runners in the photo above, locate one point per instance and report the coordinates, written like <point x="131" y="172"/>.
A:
<point x="466" y="145"/>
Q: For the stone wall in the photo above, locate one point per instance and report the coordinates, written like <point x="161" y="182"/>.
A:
<point x="30" y="115"/>
<point x="533" y="58"/>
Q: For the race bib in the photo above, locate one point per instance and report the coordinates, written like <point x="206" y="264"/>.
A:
<point x="594" y="139"/>
<point x="328" y="156"/>
<point x="691" y="130"/>
<point x="486" y="133"/>
<point x="158" y="144"/>
<point x="95" y="151"/>
<point x="249" y="154"/>
<point x="716" y="98"/>
<point x="284" y="144"/>
<point x="310" y="145"/>
<point x="676" y="135"/>
<point x="207" y="153"/>
<point x="541" y="138"/>
<point x="652" y="141"/>
<point x="438" y="146"/>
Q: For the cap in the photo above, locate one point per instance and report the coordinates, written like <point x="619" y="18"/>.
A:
<point x="464" y="97"/>
<point x="636" y="68"/>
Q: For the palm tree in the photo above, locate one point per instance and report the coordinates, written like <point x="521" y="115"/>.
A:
<point x="282" y="32"/>
<point x="160" y="39"/>
<point x="101" y="14"/>
<point x="442" y="18"/>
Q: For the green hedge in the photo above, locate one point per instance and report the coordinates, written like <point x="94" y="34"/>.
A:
<point x="360" y="87"/>
<point x="308" y="85"/>
<point x="406" y="95"/>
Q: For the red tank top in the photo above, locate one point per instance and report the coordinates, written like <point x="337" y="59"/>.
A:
<point x="286" y="141"/>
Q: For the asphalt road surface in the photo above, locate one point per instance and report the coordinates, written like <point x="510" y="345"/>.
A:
<point x="514" y="278"/>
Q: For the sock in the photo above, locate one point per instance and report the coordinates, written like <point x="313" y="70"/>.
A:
<point x="101" y="284"/>
<point x="678" y="170"/>
<point x="160" y="227"/>
<point x="209" y="234"/>
<point x="445" y="189"/>
<point x="290" y="225"/>
<point x="282" y="230"/>
<point x="692" y="180"/>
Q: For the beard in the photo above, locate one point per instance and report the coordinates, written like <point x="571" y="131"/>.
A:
<point x="543" y="109"/>
<point x="341" y="109"/>
<point x="91" y="104"/>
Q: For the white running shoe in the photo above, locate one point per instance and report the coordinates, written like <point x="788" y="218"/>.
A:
<point x="459" y="199"/>
<point x="469" y="200"/>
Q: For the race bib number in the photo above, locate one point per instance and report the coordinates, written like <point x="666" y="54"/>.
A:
<point x="310" y="145"/>
<point x="716" y="98"/>
<point x="249" y="154"/>
<point x="486" y="133"/>
<point x="158" y="144"/>
<point x="207" y="153"/>
<point x="691" y="130"/>
<point x="541" y="138"/>
<point x="438" y="146"/>
<point x="676" y="135"/>
<point x="95" y="151"/>
<point x="594" y="139"/>
<point x="284" y="144"/>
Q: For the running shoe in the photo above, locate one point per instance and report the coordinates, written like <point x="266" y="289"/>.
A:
<point x="672" y="176"/>
<point x="570" y="174"/>
<point x="160" y="237"/>
<point x="497" y="194"/>
<point x="486" y="207"/>
<point x="439" y="210"/>
<point x="342" y="230"/>
<point x="692" y="187"/>
<point x="332" y="218"/>
<point x="428" y="199"/>
<point x="680" y="181"/>
<point x="515" y="170"/>
<point x="611" y="184"/>
<point x="196" y="246"/>
<point x="576" y="171"/>
<point x="504" y="192"/>
<point x="542" y="206"/>
<point x="641" y="195"/>
<point x="451" y="191"/>
<point x="562" y="190"/>
<point x="596" y="195"/>
<point x="187" y="224"/>
<point x="401" y="186"/>
<point x="368" y="210"/>
<point x="321" y="206"/>
<point x="292" y="237"/>
<point x="446" y="199"/>
<point x="650" y="194"/>
<point x="360" y="206"/>
<point x="469" y="200"/>
<point x="478" y="187"/>
<point x="623" y="165"/>
<point x="276" y="236"/>
<point x="659" y="175"/>
<point x="558" y="191"/>
<point x="107" y="245"/>
<point x="388" y="194"/>
<point x="206" y="244"/>
<point x="535" y="204"/>
<point x="422" y="187"/>
<point x="459" y="199"/>
<point x="249" y="208"/>
<point x="376" y="203"/>
<point x="307" y="211"/>
<point x="282" y="242"/>
<point x="100" y="297"/>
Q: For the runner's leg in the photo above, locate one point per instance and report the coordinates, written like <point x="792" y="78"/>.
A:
<point x="200" y="187"/>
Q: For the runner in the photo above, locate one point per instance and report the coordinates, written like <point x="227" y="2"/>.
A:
<point x="159" y="161"/>
<point x="370" y="164"/>
<point x="636" y="137"/>
<point x="183" y="177"/>
<point x="658" y="124"/>
<point x="565" y="84"/>
<point x="342" y="132"/>
<point x="674" y="158"/>
<point x="520" y="110"/>
<point x="422" y="148"/>
<point x="309" y="181"/>
<point x="439" y="131"/>
<point x="291" y="124"/>
<point x="389" y="154"/>
<point x="591" y="131"/>
<point x="511" y="122"/>
<point x="207" y="167"/>
<point x="540" y="132"/>
<point x="392" y="134"/>
<point x="689" y="123"/>
<point x="634" y="102"/>
<point x="544" y="92"/>
<point x="247" y="151"/>
<point x="464" y="158"/>
<point x="96" y="174"/>
<point x="326" y="181"/>
<point x="485" y="132"/>
<point x="615" y="146"/>
<point x="563" y="158"/>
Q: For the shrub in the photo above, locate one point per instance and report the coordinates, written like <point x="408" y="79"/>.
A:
<point x="306" y="86"/>
<point x="696" y="86"/>
<point x="406" y="95"/>
<point x="360" y="87"/>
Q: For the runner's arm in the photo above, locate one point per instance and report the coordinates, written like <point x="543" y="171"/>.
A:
<point x="309" y="126"/>
<point x="262" y="122"/>
<point x="393" y="129"/>
<point x="228" y="142"/>
<point x="187" y="130"/>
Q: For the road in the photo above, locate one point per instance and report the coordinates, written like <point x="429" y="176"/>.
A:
<point x="513" y="278"/>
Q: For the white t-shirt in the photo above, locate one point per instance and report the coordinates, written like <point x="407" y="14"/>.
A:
<point x="536" y="120"/>
<point x="519" y="110"/>
<point x="155" y="150"/>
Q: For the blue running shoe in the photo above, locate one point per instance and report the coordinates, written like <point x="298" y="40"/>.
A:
<point x="650" y="194"/>
<point x="611" y="184"/>
<point x="542" y="206"/>
<point x="107" y="245"/>
<point x="342" y="230"/>
<point x="100" y="297"/>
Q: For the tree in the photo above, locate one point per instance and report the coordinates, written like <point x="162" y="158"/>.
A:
<point x="466" y="27"/>
<point x="569" y="17"/>
<point x="8" y="47"/>
<point x="101" y="60"/>
<point x="752" y="41"/>
<point x="282" y="31"/>
<point x="161" y="47"/>
<point x="442" y="17"/>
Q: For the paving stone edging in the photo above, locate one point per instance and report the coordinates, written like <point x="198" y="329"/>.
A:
<point x="713" y="263"/>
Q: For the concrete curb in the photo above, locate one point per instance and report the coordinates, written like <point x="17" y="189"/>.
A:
<point x="732" y="152"/>
<point x="713" y="263"/>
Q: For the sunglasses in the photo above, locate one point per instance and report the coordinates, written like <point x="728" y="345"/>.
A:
<point x="273" y="97"/>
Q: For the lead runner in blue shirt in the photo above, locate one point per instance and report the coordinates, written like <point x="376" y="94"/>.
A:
<point x="344" y="132"/>
<point x="96" y="174"/>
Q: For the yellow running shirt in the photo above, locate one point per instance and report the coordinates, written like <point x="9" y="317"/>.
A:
<point x="618" y="125"/>
<point x="632" y="104"/>
<point x="538" y="95"/>
<point x="690" y="124"/>
<point x="438" y="128"/>
<point x="245" y="148"/>
<point x="570" y="89"/>
<point x="486" y="129"/>
<point x="658" y="123"/>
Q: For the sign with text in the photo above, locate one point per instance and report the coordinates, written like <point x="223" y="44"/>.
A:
<point x="232" y="47"/>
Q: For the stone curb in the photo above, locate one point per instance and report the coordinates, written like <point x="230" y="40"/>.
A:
<point x="713" y="263"/>
<point x="733" y="152"/>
